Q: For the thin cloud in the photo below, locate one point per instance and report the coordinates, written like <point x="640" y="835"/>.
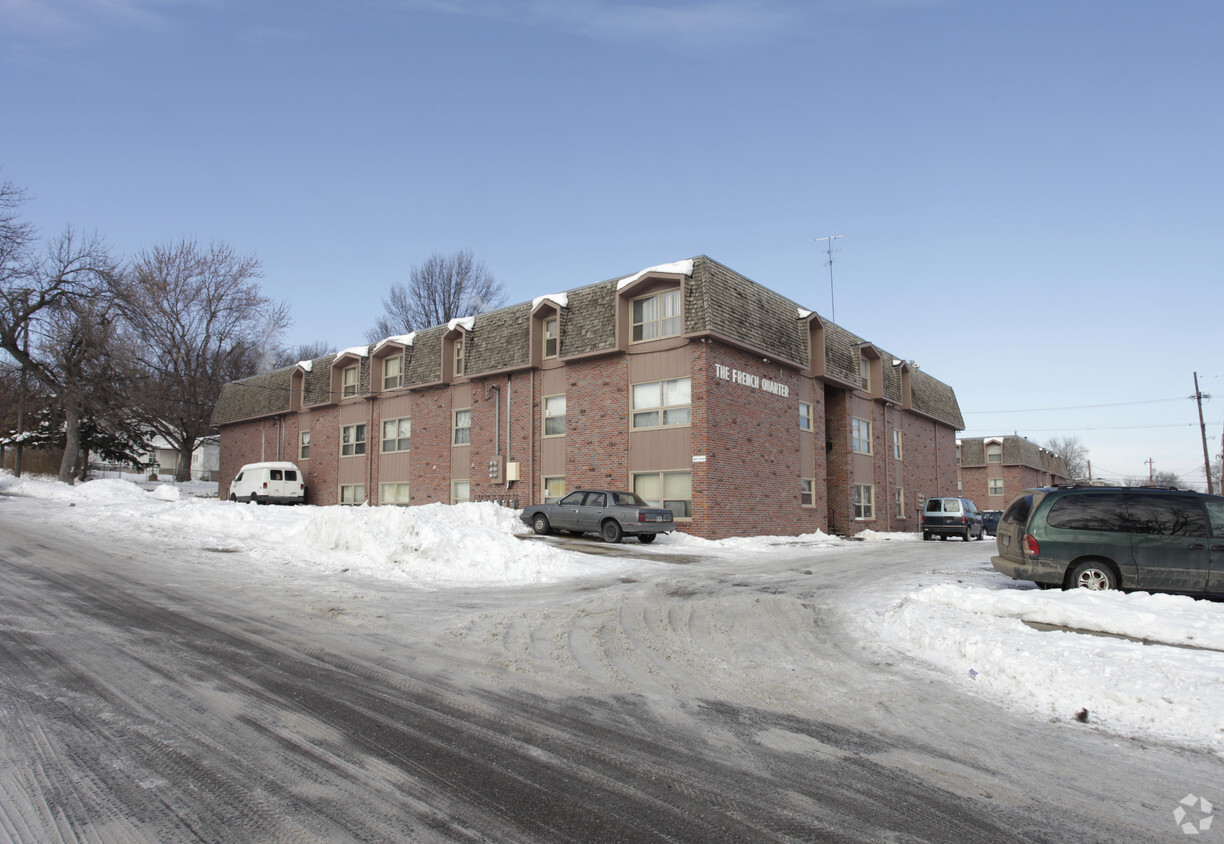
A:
<point x="76" y="19"/>
<point x="708" y="21"/>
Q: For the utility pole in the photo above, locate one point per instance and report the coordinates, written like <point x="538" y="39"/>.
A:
<point x="829" y="250"/>
<point x="1198" y="397"/>
<point x="1151" y="471"/>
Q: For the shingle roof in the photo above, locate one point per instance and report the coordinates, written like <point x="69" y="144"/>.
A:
<point x="717" y="300"/>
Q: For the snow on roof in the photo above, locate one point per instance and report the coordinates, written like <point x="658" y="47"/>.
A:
<point x="561" y="300"/>
<point x="466" y="322"/>
<point x="359" y="351"/>
<point x="804" y="313"/>
<point x="681" y="267"/>
<point x="402" y="339"/>
<point x="307" y="365"/>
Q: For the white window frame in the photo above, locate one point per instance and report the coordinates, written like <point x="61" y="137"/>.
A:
<point x="668" y="415"/>
<point x="661" y="478"/>
<point x="550" y="331"/>
<point x="898" y="445"/>
<point x="464" y="431"/>
<point x="549" y="488"/>
<point x="553" y="410"/>
<point x="350" y="381"/>
<point x="393" y="381"/>
<point x="352" y="495"/>
<point x="304" y="445"/>
<point x="461" y="486"/>
<point x="805" y="416"/>
<point x="860" y="435"/>
<point x="665" y="321"/>
<point x="458" y="352"/>
<point x="900" y="503"/>
<point x="994" y="452"/>
<point x="994" y="486"/>
<point x="401" y="439"/>
<point x="865" y="372"/>
<point x="353" y="440"/>
<point x="394" y="493"/>
<point x="864" y="502"/>
<point x="807" y="492"/>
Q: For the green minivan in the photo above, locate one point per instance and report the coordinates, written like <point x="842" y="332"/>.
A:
<point x="1166" y="540"/>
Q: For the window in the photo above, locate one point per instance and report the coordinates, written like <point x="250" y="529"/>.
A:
<point x="865" y="372"/>
<point x="860" y="436"/>
<point x="393" y="369"/>
<point x="304" y="445"/>
<point x="461" y="492"/>
<point x="994" y="453"/>
<point x="656" y="316"/>
<point x="897" y="450"/>
<point x="900" y="503"/>
<point x="348" y="381"/>
<point x="396" y="435"/>
<point x="550" y="337"/>
<point x="554" y="416"/>
<point x="805" y="416"/>
<point x="994" y="486"/>
<point x="459" y="356"/>
<point x="554" y="490"/>
<point x="662" y="403"/>
<point x="673" y="490"/>
<point x="1091" y="511"/>
<point x="958" y="454"/>
<point x="352" y="441"/>
<point x="1166" y="515"/>
<point x="462" y="428"/>
<point x="864" y="501"/>
<point x="393" y="493"/>
<point x="807" y="496"/>
<point x="352" y="494"/>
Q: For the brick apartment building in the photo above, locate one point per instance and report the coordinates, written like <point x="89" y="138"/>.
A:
<point x="688" y="383"/>
<point x="993" y="471"/>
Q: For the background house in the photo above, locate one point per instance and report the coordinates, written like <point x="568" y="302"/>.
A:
<point x="993" y="471"/>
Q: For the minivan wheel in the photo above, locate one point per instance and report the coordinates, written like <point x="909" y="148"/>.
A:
<point x="254" y="498"/>
<point x="1093" y="575"/>
<point x="967" y="535"/>
<point x="926" y="536"/>
<point x="233" y="497"/>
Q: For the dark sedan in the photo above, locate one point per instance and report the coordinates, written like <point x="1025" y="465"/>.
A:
<point x="609" y="513"/>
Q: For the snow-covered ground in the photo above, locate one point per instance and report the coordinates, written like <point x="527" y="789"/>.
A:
<point x="1159" y="673"/>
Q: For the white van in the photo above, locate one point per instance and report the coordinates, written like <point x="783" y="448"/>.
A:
<point x="273" y="482"/>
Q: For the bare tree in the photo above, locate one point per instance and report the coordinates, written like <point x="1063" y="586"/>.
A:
<point x="1073" y="452"/>
<point x="197" y="321"/>
<point x="40" y="295"/>
<point x="445" y="287"/>
<point x="289" y="355"/>
<point x="1159" y="480"/>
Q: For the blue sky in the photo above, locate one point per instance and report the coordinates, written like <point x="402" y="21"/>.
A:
<point x="1030" y="193"/>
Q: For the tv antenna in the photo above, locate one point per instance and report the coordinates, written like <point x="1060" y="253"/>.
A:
<point x="829" y="250"/>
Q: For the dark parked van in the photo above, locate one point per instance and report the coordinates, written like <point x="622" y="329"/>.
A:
<point x="944" y="517"/>
<point x="1114" y="538"/>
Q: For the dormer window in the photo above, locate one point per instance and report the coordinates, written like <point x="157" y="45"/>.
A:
<point x="656" y="316"/>
<point x="458" y="370"/>
<point x="865" y="372"/>
<point x="348" y="381"/>
<point x="550" y="337"/>
<point x="393" y="372"/>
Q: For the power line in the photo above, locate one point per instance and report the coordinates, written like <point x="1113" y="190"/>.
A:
<point x="1078" y="406"/>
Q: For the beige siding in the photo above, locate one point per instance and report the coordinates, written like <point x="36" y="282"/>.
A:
<point x="660" y="449"/>
<point x="656" y="366"/>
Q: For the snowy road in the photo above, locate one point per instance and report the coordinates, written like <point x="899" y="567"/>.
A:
<point x="148" y="694"/>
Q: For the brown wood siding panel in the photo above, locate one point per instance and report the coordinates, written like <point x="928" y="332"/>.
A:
<point x="552" y="457"/>
<point x="352" y="470"/>
<point x="395" y="468"/>
<point x="658" y="366"/>
<point x="396" y="407"/>
<point x="552" y="381"/>
<point x="662" y="450"/>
